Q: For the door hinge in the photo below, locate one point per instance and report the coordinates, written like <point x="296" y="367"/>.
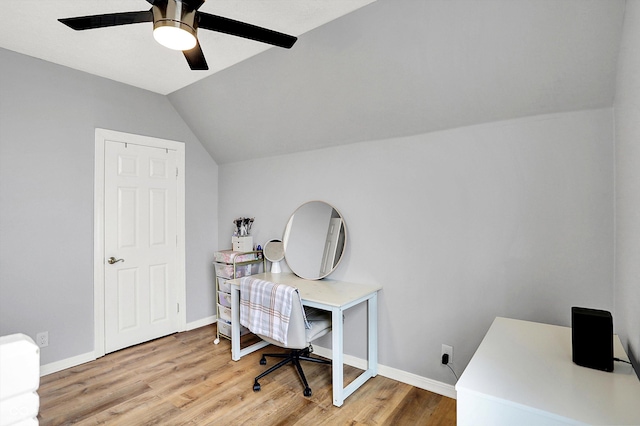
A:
<point x="178" y="307"/>
<point x="176" y="172"/>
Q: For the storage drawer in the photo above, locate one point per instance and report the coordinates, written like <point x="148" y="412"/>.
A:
<point x="242" y="244"/>
<point x="224" y="312"/>
<point x="224" y="299"/>
<point x="245" y="270"/>
<point x="223" y="285"/>
<point x="224" y="327"/>
<point x="223" y="270"/>
<point x="228" y="256"/>
<point x="226" y="271"/>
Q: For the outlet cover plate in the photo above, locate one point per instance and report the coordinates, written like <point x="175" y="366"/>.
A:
<point x="42" y="339"/>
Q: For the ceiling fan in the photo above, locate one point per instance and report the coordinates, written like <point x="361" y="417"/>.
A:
<point x="175" y="25"/>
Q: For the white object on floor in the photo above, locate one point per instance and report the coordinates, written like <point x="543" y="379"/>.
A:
<point x="19" y="380"/>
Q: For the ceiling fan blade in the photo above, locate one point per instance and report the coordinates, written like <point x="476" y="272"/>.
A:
<point x="193" y="4"/>
<point x="195" y="58"/>
<point x="107" y="20"/>
<point x="242" y="29"/>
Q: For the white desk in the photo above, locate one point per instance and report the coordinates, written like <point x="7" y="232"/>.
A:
<point x="522" y="374"/>
<point x="333" y="296"/>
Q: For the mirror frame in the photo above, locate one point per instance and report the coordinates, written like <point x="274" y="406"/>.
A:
<point x="286" y="238"/>
<point x="264" y="250"/>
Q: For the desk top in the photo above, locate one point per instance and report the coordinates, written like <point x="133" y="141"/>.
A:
<point x="529" y="365"/>
<point x="326" y="292"/>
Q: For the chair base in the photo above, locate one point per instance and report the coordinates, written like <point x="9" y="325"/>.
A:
<point x="294" y="357"/>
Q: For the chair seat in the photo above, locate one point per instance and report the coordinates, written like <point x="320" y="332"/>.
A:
<point x="320" y="322"/>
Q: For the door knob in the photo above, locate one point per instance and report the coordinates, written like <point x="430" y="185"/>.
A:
<point x="113" y="260"/>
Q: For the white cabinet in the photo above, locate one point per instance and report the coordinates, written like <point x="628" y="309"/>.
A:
<point x="229" y="265"/>
<point x="523" y="374"/>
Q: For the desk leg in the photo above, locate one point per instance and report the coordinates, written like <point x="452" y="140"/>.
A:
<point x="372" y="320"/>
<point x="372" y="355"/>
<point x="235" y="323"/>
<point x="236" y="351"/>
<point x="337" y="342"/>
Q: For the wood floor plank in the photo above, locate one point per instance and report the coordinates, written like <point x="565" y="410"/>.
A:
<point x="185" y="379"/>
<point x="87" y="392"/>
<point x="265" y="407"/>
<point x="415" y="408"/>
<point x="385" y="394"/>
<point x="445" y="413"/>
<point x="88" y="407"/>
<point x="146" y="408"/>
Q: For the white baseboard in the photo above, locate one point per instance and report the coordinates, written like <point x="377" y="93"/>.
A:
<point x="425" y="383"/>
<point x="66" y="363"/>
<point x="201" y="323"/>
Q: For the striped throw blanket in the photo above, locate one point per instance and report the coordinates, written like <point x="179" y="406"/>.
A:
<point x="265" y="307"/>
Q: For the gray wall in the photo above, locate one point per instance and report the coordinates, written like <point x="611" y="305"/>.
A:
<point x="627" y="112"/>
<point x="510" y="218"/>
<point x="48" y="115"/>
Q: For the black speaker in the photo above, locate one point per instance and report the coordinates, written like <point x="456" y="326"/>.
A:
<point x="592" y="338"/>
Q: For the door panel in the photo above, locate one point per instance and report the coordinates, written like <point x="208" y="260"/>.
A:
<point x="126" y="222"/>
<point x="159" y="291"/>
<point x="158" y="217"/>
<point x="127" y="299"/>
<point x="141" y="291"/>
<point x="331" y="245"/>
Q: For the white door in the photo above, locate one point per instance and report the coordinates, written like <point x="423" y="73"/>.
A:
<point x="140" y="221"/>
<point x="331" y="246"/>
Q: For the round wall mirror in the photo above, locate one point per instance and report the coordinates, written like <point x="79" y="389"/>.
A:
<point x="314" y="240"/>
<point x="274" y="252"/>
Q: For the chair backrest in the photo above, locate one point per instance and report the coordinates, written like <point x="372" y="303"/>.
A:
<point x="297" y="332"/>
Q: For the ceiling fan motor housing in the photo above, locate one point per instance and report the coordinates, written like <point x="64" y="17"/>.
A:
<point x="175" y="26"/>
<point x="175" y="13"/>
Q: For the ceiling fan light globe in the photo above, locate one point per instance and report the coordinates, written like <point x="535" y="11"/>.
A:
<point x="174" y="37"/>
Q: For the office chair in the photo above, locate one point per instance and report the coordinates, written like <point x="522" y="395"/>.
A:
<point x="299" y="341"/>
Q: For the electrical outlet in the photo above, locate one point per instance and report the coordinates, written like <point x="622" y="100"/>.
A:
<point x="42" y="339"/>
<point x="446" y="349"/>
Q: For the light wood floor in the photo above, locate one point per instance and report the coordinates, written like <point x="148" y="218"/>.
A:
<point x="184" y="379"/>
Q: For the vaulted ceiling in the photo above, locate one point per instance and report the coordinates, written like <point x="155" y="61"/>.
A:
<point x="391" y="68"/>
<point x="129" y="53"/>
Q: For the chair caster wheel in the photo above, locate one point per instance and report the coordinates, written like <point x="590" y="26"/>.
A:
<point x="307" y="392"/>
<point x="215" y="342"/>
<point x="263" y="361"/>
<point x="256" y="387"/>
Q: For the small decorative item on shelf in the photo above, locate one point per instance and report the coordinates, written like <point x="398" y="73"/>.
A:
<point x="243" y="226"/>
<point x="242" y="240"/>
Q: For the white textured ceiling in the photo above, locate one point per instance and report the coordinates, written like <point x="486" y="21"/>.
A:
<point x="130" y="55"/>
